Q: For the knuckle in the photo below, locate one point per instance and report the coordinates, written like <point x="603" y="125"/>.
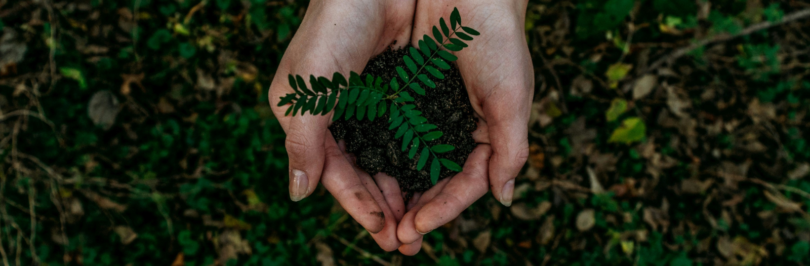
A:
<point x="296" y="146"/>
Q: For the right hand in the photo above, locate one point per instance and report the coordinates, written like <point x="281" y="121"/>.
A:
<point x="341" y="36"/>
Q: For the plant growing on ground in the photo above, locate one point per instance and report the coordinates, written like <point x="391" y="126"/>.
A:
<point x="371" y="97"/>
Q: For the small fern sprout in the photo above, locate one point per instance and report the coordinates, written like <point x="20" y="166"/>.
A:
<point x="370" y="97"/>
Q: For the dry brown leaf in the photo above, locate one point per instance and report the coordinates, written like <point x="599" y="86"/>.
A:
<point x="586" y="220"/>
<point x="536" y="156"/>
<point x="695" y="186"/>
<point x="103" y="202"/>
<point x="103" y="108"/>
<point x="546" y="231"/>
<point x="12" y="48"/>
<point x="800" y="171"/>
<point x="324" y="256"/>
<point x="521" y="211"/>
<point x="231" y="245"/>
<point x="128" y="80"/>
<point x="126" y="234"/>
<point x="581" y="86"/>
<point x="596" y="187"/>
<point x="644" y="86"/>
<point x="179" y="261"/>
<point x="677" y="101"/>
<point x="760" y="112"/>
<point x="783" y="202"/>
<point x="481" y="242"/>
<point x="205" y="81"/>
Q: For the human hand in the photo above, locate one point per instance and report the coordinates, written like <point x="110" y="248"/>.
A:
<point x="498" y="73"/>
<point x="341" y="36"/>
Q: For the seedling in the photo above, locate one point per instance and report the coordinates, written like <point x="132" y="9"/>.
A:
<point x="371" y="97"/>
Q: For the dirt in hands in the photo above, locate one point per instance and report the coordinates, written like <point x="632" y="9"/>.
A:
<point x="447" y="106"/>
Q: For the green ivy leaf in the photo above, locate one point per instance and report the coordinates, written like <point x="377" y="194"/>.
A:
<point x="617" y="108"/>
<point x="631" y="130"/>
<point x="187" y="50"/>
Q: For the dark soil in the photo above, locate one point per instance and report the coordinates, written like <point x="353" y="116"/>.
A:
<point x="447" y="106"/>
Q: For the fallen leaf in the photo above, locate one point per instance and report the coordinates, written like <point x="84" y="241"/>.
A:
<point x="631" y="130"/>
<point x="760" y="112"/>
<point x="324" y="255"/>
<point x="522" y="211"/>
<point x="617" y="108"/>
<point x="205" y="81"/>
<point x="546" y="231"/>
<point x="581" y="86"/>
<point x="644" y="86"/>
<point x="596" y="187"/>
<point x="103" y="108"/>
<point x="536" y="156"/>
<point x="481" y="242"/>
<point x="233" y="222"/>
<point x="164" y="106"/>
<point x="103" y="202"/>
<point x="800" y="171"/>
<point x="231" y="245"/>
<point x="695" y="186"/>
<point x="617" y="72"/>
<point x="74" y="74"/>
<point x="128" y="80"/>
<point x="126" y="234"/>
<point x="783" y="202"/>
<point x="628" y="247"/>
<point x="179" y="261"/>
<point x="677" y="103"/>
<point x="12" y="49"/>
<point x="586" y="220"/>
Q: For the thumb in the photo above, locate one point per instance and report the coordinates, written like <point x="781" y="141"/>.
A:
<point x="305" y="148"/>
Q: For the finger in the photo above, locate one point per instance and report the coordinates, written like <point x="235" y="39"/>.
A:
<point x="406" y="231"/>
<point x="507" y="116"/>
<point x="387" y="237"/>
<point x="412" y="248"/>
<point x="305" y="148"/>
<point x="461" y="192"/>
<point x="392" y="193"/>
<point x="341" y="180"/>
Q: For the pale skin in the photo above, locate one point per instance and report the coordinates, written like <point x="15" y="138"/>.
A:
<point x="341" y="36"/>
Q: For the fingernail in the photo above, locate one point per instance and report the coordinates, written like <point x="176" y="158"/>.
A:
<point x="506" y="193"/>
<point x="299" y="185"/>
<point x="422" y="233"/>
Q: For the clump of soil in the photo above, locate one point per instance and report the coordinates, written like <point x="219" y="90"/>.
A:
<point x="447" y="106"/>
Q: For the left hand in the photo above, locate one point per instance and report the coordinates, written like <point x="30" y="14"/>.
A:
<point x="499" y="76"/>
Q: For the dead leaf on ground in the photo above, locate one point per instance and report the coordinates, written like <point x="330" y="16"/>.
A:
<point x="536" y="156"/>
<point x="596" y="187"/>
<point x="760" y="112"/>
<point x="586" y="220"/>
<point x="695" y="186"/>
<point x="231" y="245"/>
<point x="481" y="242"/>
<point x="782" y="202"/>
<point x="179" y="260"/>
<point x="546" y="231"/>
<point x="324" y="256"/>
<point x="128" y="80"/>
<point x="581" y="86"/>
<point x="12" y="49"/>
<point x="678" y="101"/>
<point x="233" y="222"/>
<point x="103" y="202"/>
<point x="644" y="86"/>
<point x="800" y="171"/>
<point x="103" y="108"/>
<point x="205" y="81"/>
<point x="522" y="211"/>
<point x="126" y="234"/>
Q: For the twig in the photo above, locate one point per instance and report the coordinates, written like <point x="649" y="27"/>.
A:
<point x="724" y="37"/>
<point x="32" y="213"/>
<point x="361" y="251"/>
<point x="782" y="187"/>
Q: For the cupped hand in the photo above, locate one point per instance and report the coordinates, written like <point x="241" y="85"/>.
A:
<point x="341" y="36"/>
<point x="498" y="73"/>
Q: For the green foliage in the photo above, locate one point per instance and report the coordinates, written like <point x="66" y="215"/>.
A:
<point x="370" y="97"/>
<point x="601" y="16"/>
<point x="617" y="108"/>
<point x="631" y="130"/>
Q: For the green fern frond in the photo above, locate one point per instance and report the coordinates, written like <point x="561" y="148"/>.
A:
<point x="368" y="97"/>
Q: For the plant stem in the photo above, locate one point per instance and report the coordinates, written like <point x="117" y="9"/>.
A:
<point x="425" y="64"/>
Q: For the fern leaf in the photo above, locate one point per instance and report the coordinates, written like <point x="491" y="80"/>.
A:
<point x="325" y="83"/>
<point x="402" y="74"/>
<point x="435" y="168"/>
<point x="410" y="64"/>
<point x="425" y="128"/>
<point x="450" y="165"/>
<point x="303" y="86"/>
<point x="338" y="80"/>
<point x="330" y="103"/>
<point x="381" y="109"/>
<point x="311" y="103"/>
<point x="440" y="63"/>
<point x="405" y="95"/>
<point x="289" y="110"/>
<point x="372" y="111"/>
<point x="397" y="122"/>
<point x="470" y="31"/>
<point x="320" y="105"/>
<point x="414" y="148"/>
<point x="394" y="84"/>
<point x="343" y="99"/>
<point x="418" y="89"/>
<point x="437" y="35"/>
<point x="401" y="131"/>
<point x="338" y="113"/>
<point x="369" y="80"/>
<point x="353" y="93"/>
<point x="426" y="81"/>
<point x="394" y="110"/>
<point x="354" y="79"/>
<point x="416" y="56"/>
<point x="447" y="56"/>
<point x="458" y="42"/>
<point x="435" y="72"/>
<point x="453" y="47"/>
<point x="464" y="36"/>
<point x="407" y="139"/>
<point x="286" y="99"/>
<point x="299" y="104"/>
<point x="349" y="111"/>
<point x="430" y="42"/>
<point x="424" y="48"/>
<point x="442" y="148"/>
<point x="361" y="112"/>
<point x="363" y="97"/>
<point x="292" y="82"/>
<point x="423" y="157"/>
<point x="445" y="30"/>
<point x="455" y="18"/>
<point x="432" y="136"/>
<point x="417" y="120"/>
